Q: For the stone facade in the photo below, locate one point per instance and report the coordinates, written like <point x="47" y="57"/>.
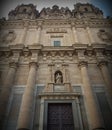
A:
<point x="55" y="56"/>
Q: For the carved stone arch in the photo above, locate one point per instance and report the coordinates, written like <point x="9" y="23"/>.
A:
<point x="58" y="77"/>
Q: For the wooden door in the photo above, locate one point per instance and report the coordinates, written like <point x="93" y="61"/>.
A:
<point x="60" y="116"/>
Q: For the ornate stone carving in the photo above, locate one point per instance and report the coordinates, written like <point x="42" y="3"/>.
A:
<point x="86" y="11"/>
<point x="104" y="36"/>
<point x="24" y="12"/>
<point x="55" y="12"/>
<point x="8" y="37"/>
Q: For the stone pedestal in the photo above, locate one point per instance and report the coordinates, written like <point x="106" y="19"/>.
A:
<point x="91" y="107"/>
<point x="26" y="110"/>
<point x="6" y="90"/>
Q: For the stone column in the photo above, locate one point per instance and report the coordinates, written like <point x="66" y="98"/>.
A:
<point x="6" y="91"/>
<point x="38" y="34"/>
<point x="90" y="35"/>
<point x="26" y="110"/>
<point x="106" y="76"/>
<point x="75" y="36"/>
<point x="91" y="107"/>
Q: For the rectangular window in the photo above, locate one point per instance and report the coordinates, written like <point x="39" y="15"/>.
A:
<point x="57" y="43"/>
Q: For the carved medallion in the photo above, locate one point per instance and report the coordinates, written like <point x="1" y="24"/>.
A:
<point x="8" y="37"/>
<point x="104" y="36"/>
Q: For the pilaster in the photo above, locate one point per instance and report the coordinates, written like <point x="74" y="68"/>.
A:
<point x="38" y="33"/>
<point x="25" y="29"/>
<point x="74" y="31"/>
<point x="90" y="35"/>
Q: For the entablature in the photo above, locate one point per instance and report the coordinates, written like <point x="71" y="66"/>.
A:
<point x="72" y="53"/>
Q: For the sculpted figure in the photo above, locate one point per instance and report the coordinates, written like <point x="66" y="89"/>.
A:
<point x="58" y="78"/>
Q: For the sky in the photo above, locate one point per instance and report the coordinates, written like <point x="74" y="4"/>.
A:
<point x="8" y="5"/>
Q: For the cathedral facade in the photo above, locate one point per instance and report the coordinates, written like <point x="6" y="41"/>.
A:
<point x="56" y="69"/>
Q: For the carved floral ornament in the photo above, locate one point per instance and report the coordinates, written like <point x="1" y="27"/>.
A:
<point x="104" y="36"/>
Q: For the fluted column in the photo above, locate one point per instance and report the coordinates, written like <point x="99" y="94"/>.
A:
<point x="91" y="107"/>
<point x="90" y="35"/>
<point x="75" y="36"/>
<point x="106" y="76"/>
<point x="26" y="110"/>
<point x="6" y="90"/>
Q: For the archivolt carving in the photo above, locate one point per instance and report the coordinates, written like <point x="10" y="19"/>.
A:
<point x="104" y="36"/>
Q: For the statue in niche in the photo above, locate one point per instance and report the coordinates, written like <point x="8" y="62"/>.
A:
<point x="58" y="77"/>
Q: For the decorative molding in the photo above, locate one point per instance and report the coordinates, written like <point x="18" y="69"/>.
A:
<point x="48" y="95"/>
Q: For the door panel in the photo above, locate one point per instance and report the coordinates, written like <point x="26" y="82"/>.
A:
<point x="60" y="116"/>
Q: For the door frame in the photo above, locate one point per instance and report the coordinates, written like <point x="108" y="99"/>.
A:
<point x="75" y="110"/>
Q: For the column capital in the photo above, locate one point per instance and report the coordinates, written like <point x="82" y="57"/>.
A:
<point x="13" y="64"/>
<point x="33" y="64"/>
<point x="83" y="63"/>
<point x="102" y="63"/>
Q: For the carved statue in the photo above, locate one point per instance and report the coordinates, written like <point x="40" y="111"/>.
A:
<point x="58" y="78"/>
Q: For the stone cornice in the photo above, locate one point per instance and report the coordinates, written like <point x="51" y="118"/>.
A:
<point x="18" y="47"/>
<point x="59" y="95"/>
<point x="9" y="24"/>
